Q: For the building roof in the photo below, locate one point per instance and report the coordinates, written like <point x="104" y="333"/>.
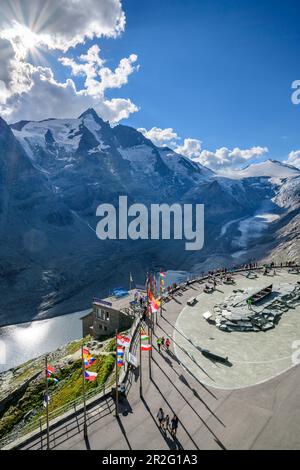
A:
<point x="87" y="315"/>
<point x="117" y="303"/>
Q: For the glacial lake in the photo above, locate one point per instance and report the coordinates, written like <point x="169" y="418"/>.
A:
<point x="20" y="343"/>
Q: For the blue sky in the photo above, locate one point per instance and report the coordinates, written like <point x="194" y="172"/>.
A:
<point x="219" y="71"/>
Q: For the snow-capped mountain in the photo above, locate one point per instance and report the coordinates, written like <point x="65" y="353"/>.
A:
<point x="267" y="169"/>
<point x="64" y="140"/>
<point x="55" y="173"/>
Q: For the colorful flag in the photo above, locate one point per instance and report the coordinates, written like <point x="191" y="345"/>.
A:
<point x="145" y="346"/>
<point x="120" y="356"/>
<point x="88" y="362"/>
<point x="123" y="341"/>
<point x="50" y="370"/>
<point x="155" y="304"/>
<point x="86" y="353"/>
<point x="150" y="295"/>
<point x="90" y="376"/>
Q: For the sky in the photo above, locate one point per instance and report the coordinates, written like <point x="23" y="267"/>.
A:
<point x="211" y="79"/>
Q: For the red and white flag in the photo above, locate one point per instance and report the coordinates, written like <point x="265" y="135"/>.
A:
<point x="123" y="341"/>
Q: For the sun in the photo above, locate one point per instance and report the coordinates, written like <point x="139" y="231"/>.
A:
<point x="28" y="38"/>
<point x="23" y="39"/>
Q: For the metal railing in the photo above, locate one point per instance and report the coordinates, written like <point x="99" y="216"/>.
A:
<point x="39" y="423"/>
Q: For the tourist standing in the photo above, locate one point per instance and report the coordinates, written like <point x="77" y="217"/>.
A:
<point x="174" y="425"/>
<point x="166" y="423"/>
<point x="160" y="417"/>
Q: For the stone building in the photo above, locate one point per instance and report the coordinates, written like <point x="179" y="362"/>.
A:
<point x="110" y="314"/>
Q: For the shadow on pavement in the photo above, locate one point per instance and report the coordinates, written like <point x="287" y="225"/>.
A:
<point x="188" y="403"/>
<point x="170" y="407"/>
<point x="124" y="432"/>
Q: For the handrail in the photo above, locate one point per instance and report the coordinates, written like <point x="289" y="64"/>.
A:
<point x="103" y="390"/>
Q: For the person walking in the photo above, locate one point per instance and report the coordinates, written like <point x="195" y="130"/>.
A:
<point x="166" y="422"/>
<point x="163" y="341"/>
<point x="160" y="416"/>
<point x="174" y="425"/>
<point x="168" y="344"/>
<point x="158" y="342"/>
<point x="249" y="302"/>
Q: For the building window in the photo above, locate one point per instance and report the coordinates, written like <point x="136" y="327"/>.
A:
<point x="102" y="314"/>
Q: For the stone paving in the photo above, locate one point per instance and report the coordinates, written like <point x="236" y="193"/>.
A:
<point x="255" y="357"/>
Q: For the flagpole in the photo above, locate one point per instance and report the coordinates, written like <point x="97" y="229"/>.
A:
<point x="152" y="313"/>
<point x="117" y="378"/>
<point x="160" y="293"/>
<point x="160" y="307"/>
<point x="83" y="390"/>
<point x="141" y="382"/>
<point x="149" y="327"/>
<point x="151" y="334"/>
<point x="47" y="403"/>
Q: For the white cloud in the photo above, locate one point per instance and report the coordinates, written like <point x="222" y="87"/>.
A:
<point x="98" y="77"/>
<point x="226" y="158"/>
<point x="160" y="137"/>
<point x="30" y="91"/>
<point x="62" y="100"/>
<point x="294" y="158"/>
<point x="63" y="24"/>
<point x="222" y="158"/>
<point x="191" y="148"/>
<point x="6" y="57"/>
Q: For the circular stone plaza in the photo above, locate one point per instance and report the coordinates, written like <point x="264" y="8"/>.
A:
<point x="253" y="355"/>
<point x="231" y="375"/>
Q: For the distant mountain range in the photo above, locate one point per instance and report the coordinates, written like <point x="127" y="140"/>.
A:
<point x="55" y="173"/>
<point x="267" y="169"/>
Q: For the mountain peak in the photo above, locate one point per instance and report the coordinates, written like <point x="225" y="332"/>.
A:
<point x="3" y="124"/>
<point x="90" y="112"/>
<point x="267" y="169"/>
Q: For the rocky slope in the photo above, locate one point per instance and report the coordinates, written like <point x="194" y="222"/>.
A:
<point x="22" y="389"/>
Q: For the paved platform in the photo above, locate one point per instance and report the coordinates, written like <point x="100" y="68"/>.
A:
<point x="266" y="416"/>
<point x="256" y="357"/>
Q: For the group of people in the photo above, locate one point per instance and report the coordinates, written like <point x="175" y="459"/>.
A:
<point x="163" y="343"/>
<point x="165" y="424"/>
